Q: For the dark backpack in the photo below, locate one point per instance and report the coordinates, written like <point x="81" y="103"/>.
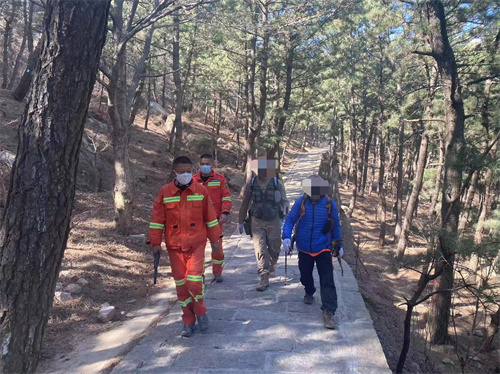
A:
<point x="276" y="188"/>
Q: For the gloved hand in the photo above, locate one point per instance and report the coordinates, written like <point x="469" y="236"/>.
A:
<point x="286" y="245"/>
<point x="338" y="249"/>
<point x="241" y="228"/>
<point x="156" y="249"/>
<point x="224" y="218"/>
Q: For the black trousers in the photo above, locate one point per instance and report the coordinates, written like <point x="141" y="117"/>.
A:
<point x="325" y="270"/>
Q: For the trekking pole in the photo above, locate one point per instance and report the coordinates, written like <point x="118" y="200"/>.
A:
<point x="286" y="266"/>
<point x="157" y="262"/>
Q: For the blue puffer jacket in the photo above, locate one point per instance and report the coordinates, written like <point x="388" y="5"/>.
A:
<point x="308" y="235"/>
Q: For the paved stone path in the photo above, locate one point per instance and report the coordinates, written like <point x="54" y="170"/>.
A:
<point x="265" y="332"/>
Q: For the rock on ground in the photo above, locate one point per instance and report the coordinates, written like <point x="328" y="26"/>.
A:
<point x="63" y="296"/>
<point x="73" y="288"/>
<point x="82" y="282"/>
<point x="107" y="313"/>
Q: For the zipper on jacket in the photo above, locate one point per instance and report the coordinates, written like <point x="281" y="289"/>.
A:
<point x="312" y="230"/>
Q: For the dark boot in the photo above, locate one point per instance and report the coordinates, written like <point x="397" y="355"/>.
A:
<point x="218" y="278"/>
<point x="308" y="299"/>
<point x="328" y="320"/>
<point x="264" y="282"/>
<point x="187" y="331"/>
<point x="202" y="322"/>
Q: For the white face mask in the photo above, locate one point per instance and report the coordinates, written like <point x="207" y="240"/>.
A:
<point x="184" y="178"/>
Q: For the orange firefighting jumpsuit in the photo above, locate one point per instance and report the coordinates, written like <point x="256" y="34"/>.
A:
<point x="221" y="199"/>
<point x="188" y="218"/>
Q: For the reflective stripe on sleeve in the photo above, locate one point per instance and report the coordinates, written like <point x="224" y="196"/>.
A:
<point x="227" y="199"/>
<point x="154" y="225"/>
<point x="217" y="262"/>
<point x="212" y="223"/>
<point x="213" y="183"/>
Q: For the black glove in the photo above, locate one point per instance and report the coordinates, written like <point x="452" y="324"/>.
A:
<point x="336" y="247"/>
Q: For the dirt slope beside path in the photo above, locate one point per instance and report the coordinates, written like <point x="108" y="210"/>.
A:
<point x="383" y="289"/>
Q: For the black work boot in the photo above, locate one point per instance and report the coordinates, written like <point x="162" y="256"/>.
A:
<point x="308" y="299"/>
<point x="218" y="278"/>
<point x="202" y="322"/>
<point x="187" y="331"/>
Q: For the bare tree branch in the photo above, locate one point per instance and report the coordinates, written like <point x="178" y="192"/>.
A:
<point x="160" y="12"/>
<point x="423" y="53"/>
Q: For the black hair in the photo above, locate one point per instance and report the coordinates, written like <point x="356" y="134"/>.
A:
<point x="206" y="155"/>
<point x="181" y="160"/>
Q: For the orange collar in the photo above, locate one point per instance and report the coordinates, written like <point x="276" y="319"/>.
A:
<point x="174" y="190"/>
<point x="199" y="175"/>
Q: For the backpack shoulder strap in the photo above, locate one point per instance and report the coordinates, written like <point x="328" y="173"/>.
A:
<point x="303" y="206"/>
<point x="252" y="182"/>
<point x="276" y="185"/>
<point x="302" y="211"/>
<point x="329" y="205"/>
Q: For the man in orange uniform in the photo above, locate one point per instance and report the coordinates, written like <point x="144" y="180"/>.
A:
<point x="217" y="188"/>
<point x="183" y="210"/>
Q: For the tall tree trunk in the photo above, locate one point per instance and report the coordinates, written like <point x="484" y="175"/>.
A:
<point x="29" y="26"/>
<point x="136" y="85"/>
<point x="469" y="198"/>
<point x="17" y="63"/>
<point x="288" y="93"/>
<point x="120" y="140"/>
<point x="382" y="204"/>
<point x="452" y="181"/>
<point x="251" y="129"/>
<point x="399" y="185"/>
<point x="366" y="155"/>
<point x="6" y="47"/>
<point x="439" y="174"/>
<point x="349" y="160"/>
<point x="259" y="120"/>
<point x="24" y="84"/>
<point x="287" y="144"/>
<point x="342" y="153"/>
<point x="412" y="201"/>
<point x="353" y="154"/>
<point x="178" y="84"/>
<point x="33" y="236"/>
<point x="360" y="149"/>
<point x="148" y="106"/>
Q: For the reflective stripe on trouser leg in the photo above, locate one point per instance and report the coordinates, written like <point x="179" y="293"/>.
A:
<point x="218" y="260"/>
<point x="194" y="278"/>
<point x="178" y="263"/>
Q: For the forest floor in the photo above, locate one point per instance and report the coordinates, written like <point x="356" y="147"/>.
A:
<point x="384" y="287"/>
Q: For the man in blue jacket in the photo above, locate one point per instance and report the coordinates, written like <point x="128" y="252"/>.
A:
<point x="315" y="218"/>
